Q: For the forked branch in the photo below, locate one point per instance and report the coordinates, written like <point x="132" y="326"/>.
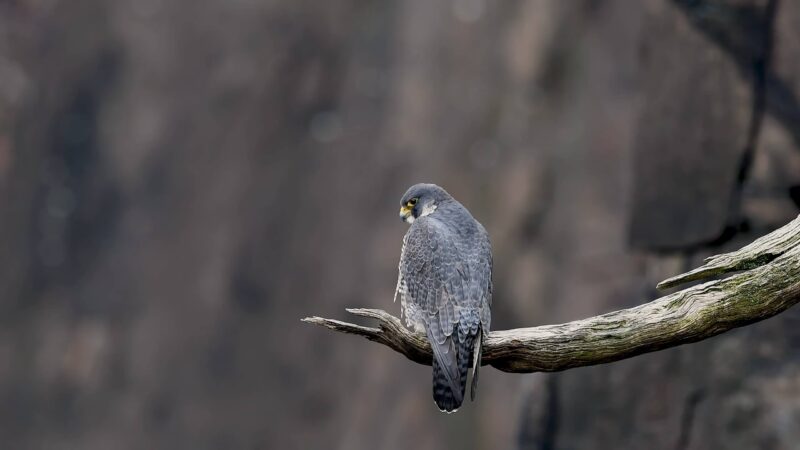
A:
<point x="768" y="283"/>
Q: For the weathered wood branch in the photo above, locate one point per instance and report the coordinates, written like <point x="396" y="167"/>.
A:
<point x="755" y="254"/>
<point x="767" y="284"/>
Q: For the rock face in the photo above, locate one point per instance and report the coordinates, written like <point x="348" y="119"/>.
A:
<point x="181" y="181"/>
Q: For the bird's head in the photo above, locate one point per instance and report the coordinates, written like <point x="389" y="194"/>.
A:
<point x="420" y="200"/>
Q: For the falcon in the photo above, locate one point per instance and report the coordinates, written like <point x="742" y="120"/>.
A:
<point x="445" y="287"/>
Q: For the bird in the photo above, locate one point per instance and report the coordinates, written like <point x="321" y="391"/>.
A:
<point x="445" y="287"/>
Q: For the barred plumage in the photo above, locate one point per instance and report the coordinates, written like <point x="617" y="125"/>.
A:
<point x="445" y="286"/>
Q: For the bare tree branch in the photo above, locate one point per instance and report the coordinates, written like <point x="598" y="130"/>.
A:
<point x="759" y="252"/>
<point x="768" y="284"/>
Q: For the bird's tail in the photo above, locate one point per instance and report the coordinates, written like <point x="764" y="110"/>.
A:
<point x="449" y="387"/>
<point x="443" y="394"/>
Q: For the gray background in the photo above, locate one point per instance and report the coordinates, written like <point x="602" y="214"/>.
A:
<point x="182" y="181"/>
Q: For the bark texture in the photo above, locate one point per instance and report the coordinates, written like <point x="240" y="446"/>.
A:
<point x="768" y="285"/>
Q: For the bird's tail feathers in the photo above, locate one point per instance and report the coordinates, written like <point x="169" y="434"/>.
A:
<point x="446" y="398"/>
<point x="448" y="391"/>
<point x="452" y="362"/>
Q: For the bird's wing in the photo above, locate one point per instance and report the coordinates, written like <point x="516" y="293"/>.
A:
<point x="481" y="261"/>
<point x="436" y="280"/>
<point x="475" y="318"/>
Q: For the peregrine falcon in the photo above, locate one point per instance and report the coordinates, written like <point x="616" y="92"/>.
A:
<point x="445" y="287"/>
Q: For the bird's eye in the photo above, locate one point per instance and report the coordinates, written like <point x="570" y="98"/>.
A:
<point x="412" y="202"/>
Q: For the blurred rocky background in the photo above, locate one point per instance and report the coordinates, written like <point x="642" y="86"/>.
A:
<point x="181" y="182"/>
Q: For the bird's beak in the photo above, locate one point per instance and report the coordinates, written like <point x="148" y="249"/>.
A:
<point x="405" y="213"/>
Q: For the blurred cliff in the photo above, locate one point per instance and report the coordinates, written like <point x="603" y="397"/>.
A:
<point x="181" y="182"/>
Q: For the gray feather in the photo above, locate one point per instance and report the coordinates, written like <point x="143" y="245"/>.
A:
<point x="445" y="284"/>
